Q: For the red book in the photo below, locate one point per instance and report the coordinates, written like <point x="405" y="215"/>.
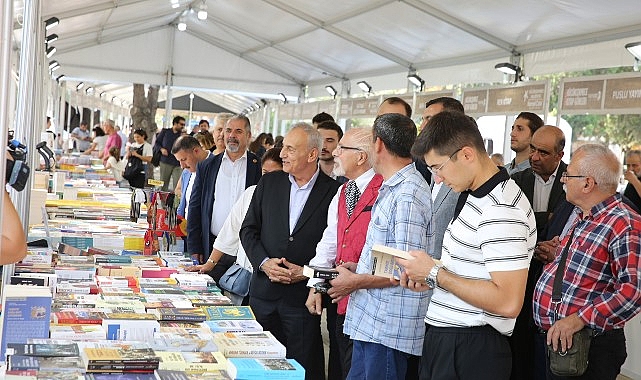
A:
<point x="78" y="317"/>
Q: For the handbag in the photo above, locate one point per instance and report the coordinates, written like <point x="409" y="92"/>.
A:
<point x="135" y="167"/>
<point x="236" y="280"/>
<point x="573" y="361"/>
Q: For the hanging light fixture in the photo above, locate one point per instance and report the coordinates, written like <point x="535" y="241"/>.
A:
<point x="51" y="22"/>
<point x="331" y="90"/>
<point x="80" y="86"/>
<point x="59" y="78"/>
<point x="283" y="97"/>
<point x="202" y="11"/>
<point x="54" y="65"/>
<point x="364" y="86"/>
<point x="416" y="80"/>
<point x="50" y="38"/>
<point x="51" y="50"/>
<point x="182" y="25"/>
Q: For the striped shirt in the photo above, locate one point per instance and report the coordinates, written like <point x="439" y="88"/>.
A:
<point x="401" y="218"/>
<point x="601" y="282"/>
<point x="493" y="230"/>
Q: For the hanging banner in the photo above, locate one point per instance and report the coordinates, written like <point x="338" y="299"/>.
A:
<point x="423" y="97"/>
<point x="365" y="107"/>
<point x="507" y="100"/>
<point x="309" y="110"/>
<point x="345" y="111"/>
<point x="615" y="94"/>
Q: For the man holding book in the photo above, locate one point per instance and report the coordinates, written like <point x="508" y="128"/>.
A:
<point x="479" y="288"/>
<point x="385" y="321"/>
<point x="287" y="215"/>
<point x="347" y="220"/>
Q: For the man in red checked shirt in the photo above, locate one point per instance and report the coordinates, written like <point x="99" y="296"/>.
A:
<point x="600" y="287"/>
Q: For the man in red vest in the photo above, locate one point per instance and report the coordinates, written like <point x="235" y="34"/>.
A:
<point x="347" y="219"/>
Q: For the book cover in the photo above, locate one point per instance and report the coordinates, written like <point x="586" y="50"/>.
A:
<point x="120" y="376"/>
<point x="228" y="312"/>
<point x="165" y="374"/>
<point x="384" y="262"/>
<point x="43" y="349"/>
<point x="184" y="342"/>
<point x="320" y="272"/>
<point x="51" y="363"/>
<point x="250" y="369"/>
<point x="78" y="317"/>
<point x="130" y="326"/>
<point x="194" y="314"/>
<point x="249" y="344"/>
<point x="129" y="355"/>
<point x="234" y="325"/>
<point x="210" y="300"/>
<point x="192" y="362"/>
<point x="77" y="332"/>
<point x="26" y="313"/>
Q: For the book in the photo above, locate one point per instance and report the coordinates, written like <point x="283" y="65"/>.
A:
<point x="384" y="261"/>
<point x="319" y="272"/>
<point x="209" y="300"/>
<point x="78" y="317"/>
<point x="120" y="376"/>
<point x="228" y="312"/>
<point x="255" y="369"/>
<point x="234" y="325"/>
<point x="130" y="326"/>
<point x="192" y="362"/>
<point x="165" y="374"/>
<point x="249" y="344"/>
<point x="31" y="374"/>
<point x="43" y="349"/>
<point x="77" y="332"/>
<point x="119" y="358"/>
<point x="50" y="363"/>
<point x="26" y="314"/>
<point x="201" y="341"/>
<point x="194" y="314"/>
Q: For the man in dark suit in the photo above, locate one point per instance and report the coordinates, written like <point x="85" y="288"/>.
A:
<point x="284" y="222"/>
<point x="220" y="181"/>
<point x="541" y="184"/>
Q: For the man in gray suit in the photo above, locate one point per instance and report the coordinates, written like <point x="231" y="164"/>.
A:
<point x="443" y="197"/>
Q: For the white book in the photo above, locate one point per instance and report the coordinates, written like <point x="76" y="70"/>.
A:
<point x="261" y="345"/>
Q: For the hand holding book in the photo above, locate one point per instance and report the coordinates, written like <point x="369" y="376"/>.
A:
<point x="416" y="269"/>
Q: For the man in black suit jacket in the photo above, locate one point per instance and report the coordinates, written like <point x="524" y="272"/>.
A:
<point x="541" y="184"/>
<point x="234" y="170"/>
<point x="284" y="222"/>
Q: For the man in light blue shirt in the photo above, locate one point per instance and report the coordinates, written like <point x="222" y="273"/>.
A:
<point x="385" y="321"/>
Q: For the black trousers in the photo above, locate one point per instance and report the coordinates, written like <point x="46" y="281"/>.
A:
<point x="474" y="353"/>
<point x="334" y="367"/>
<point x="607" y="355"/>
<point x="344" y="344"/>
<point x="296" y="329"/>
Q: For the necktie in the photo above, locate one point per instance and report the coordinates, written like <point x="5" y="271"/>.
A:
<point x="351" y="196"/>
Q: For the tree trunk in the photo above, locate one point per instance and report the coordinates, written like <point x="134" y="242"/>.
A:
<point x="143" y="110"/>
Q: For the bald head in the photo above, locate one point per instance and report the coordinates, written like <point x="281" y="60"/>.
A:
<point x="546" y="150"/>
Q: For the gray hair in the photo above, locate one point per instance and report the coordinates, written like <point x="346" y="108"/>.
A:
<point x="600" y="163"/>
<point x="363" y="140"/>
<point x="222" y="118"/>
<point x="634" y="152"/>
<point x="314" y="138"/>
<point x="242" y="118"/>
<point x="110" y="122"/>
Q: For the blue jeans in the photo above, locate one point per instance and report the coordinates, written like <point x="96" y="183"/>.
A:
<point x="376" y="362"/>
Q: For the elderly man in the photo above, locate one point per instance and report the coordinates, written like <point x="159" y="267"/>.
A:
<point x="541" y="184"/>
<point x="479" y="286"/>
<point x="600" y="266"/>
<point x="286" y="217"/>
<point x="385" y="321"/>
<point x="220" y="182"/>
<point x="217" y="131"/>
<point x="109" y="126"/>
<point x="633" y="176"/>
<point x="347" y="220"/>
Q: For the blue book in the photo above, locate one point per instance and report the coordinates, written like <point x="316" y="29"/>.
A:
<point x="25" y="315"/>
<point x="260" y="369"/>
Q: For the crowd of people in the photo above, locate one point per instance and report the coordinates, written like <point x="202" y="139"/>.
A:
<point x="486" y="238"/>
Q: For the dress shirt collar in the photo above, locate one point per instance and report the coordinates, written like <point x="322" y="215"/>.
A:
<point x="602" y="207"/>
<point x="309" y="184"/>
<point x="226" y="156"/>
<point x="490" y="184"/>
<point x="364" y="179"/>
<point x="399" y="176"/>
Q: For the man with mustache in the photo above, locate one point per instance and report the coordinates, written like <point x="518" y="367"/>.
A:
<point x="220" y="181"/>
<point x="344" y="236"/>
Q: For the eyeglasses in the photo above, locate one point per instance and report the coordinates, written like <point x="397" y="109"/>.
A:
<point x="565" y="175"/>
<point x="340" y="148"/>
<point x="434" y="171"/>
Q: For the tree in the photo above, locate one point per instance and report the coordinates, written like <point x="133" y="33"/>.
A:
<point x="143" y="110"/>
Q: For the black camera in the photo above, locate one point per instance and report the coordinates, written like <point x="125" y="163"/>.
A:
<point x="322" y="287"/>
<point x="17" y="173"/>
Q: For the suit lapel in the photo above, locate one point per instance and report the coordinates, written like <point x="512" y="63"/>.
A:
<point x="440" y="197"/>
<point x="320" y="189"/>
<point x="528" y="185"/>
<point x="252" y="163"/>
<point x="557" y="188"/>
<point x="368" y="197"/>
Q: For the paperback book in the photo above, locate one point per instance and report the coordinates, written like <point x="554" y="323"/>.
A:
<point x="249" y="344"/>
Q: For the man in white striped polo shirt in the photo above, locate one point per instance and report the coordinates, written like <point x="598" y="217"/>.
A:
<point x="479" y="287"/>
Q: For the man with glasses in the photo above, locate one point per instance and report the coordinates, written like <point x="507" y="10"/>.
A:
<point x="385" y="321"/>
<point x="169" y="165"/>
<point x="479" y="286"/>
<point x="541" y="184"/>
<point x="600" y="284"/>
<point x="348" y="216"/>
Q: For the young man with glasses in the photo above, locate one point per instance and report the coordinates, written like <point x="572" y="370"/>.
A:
<point x="169" y="165"/>
<point x="479" y="286"/>
<point x="600" y="284"/>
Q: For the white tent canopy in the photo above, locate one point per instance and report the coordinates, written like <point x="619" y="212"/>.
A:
<point x="253" y="49"/>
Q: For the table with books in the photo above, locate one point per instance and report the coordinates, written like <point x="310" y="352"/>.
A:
<point x="100" y="314"/>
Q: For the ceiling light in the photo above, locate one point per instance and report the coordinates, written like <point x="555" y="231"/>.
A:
<point x="415" y="79"/>
<point x="51" y="22"/>
<point x="50" y="38"/>
<point x="89" y="90"/>
<point x="124" y="103"/>
<point x="113" y="99"/>
<point x="103" y="94"/>
<point x="202" y="11"/>
<point x="364" y="86"/>
<point x="51" y="51"/>
<point x="182" y="25"/>
<point x="507" y="68"/>
<point x="331" y="90"/>
<point x="635" y="49"/>
<point x="80" y="86"/>
<point x="53" y="65"/>
<point x="283" y="97"/>
<point x="257" y="106"/>
<point x="59" y="78"/>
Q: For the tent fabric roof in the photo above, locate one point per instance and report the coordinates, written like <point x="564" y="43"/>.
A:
<point x="199" y="105"/>
<point x="251" y="49"/>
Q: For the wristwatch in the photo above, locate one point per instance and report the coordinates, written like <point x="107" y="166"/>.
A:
<point x="209" y="260"/>
<point x="432" y="278"/>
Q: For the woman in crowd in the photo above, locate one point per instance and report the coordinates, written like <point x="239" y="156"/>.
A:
<point x="206" y="140"/>
<point x="115" y="165"/>
<point x="257" y="147"/>
<point x="140" y="140"/>
<point x="99" y="140"/>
